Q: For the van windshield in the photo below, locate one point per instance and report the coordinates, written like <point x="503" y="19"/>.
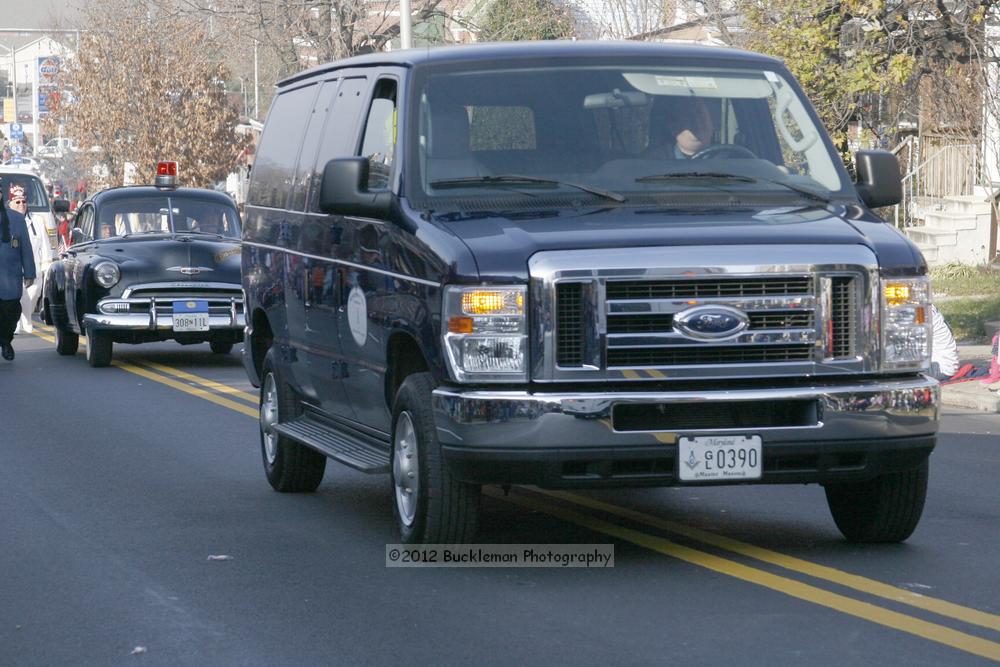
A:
<point x="623" y="134"/>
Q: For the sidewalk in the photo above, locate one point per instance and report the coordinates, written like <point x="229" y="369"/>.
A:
<point x="973" y="394"/>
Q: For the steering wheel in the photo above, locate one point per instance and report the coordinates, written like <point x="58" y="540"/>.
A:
<point x="735" y="149"/>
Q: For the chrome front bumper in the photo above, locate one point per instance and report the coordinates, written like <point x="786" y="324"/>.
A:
<point x="871" y="409"/>
<point x="113" y="312"/>
<point x="875" y="420"/>
<point x="144" y="322"/>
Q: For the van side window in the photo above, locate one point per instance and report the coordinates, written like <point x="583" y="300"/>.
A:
<point x="380" y="134"/>
<point x="307" y="158"/>
<point x="340" y="131"/>
<point x="279" y="147"/>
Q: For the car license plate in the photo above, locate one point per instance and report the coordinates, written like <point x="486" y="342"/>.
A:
<point x="719" y="457"/>
<point x="190" y="315"/>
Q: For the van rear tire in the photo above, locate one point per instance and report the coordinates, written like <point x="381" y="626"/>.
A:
<point x="289" y="466"/>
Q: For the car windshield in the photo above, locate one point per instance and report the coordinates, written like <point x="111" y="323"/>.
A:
<point x="143" y="215"/>
<point x="38" y="200"/>
<point x="630" y="134"/>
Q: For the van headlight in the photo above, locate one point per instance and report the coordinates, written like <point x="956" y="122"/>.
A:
<point x="906" y="323"/>
<point x="107" y="274"/>
<point x="486" y="333"/>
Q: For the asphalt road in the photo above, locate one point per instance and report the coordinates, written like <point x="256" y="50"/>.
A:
<point x="117" y="484"/>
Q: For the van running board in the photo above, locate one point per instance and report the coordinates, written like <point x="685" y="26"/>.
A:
<point x="349" y="450"/>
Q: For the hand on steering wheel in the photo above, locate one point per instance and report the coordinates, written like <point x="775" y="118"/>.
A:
<point x="735" y="149"/>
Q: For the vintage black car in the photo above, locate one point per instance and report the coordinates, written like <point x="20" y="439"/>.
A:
<point x="148" y="263"/>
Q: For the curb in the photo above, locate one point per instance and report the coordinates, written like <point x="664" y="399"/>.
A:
<point x="973" y="394"/>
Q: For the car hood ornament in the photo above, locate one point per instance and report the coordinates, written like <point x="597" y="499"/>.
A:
<point x="189" y="270"/>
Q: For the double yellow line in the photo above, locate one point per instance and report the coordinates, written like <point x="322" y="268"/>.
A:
<point x="565" y="506"/>
<point x="196" y="385"/>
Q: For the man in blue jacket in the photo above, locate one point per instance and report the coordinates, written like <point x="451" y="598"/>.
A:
<point x="17" y="272"/>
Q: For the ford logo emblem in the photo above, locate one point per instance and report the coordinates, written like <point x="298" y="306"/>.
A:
<point x="710" y="322"/>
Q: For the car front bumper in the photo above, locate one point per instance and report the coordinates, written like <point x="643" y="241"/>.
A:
<point x="165" y="323"/>
<point x="227" y="315"/>
<point x="861" y="429"/>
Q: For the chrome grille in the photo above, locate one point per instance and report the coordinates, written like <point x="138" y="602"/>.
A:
<point x="843" y="309"/>
<point x="704" y="289"/>
<point x="166" y="307"/>
<point x="614" y="314"/>
<point x="181" y="293"/>
<point x="696" y="354"/>
<point x="788" y="319"/>
<point x="641" y="332"/>
<point x="222" y="299"/>
<point x="569" y="324"/>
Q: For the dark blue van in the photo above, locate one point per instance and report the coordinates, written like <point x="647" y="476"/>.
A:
<point x="581" y="265"/>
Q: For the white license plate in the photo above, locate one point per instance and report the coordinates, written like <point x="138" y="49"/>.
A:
<point x="719" y="457"/>
<point x="191" y="322"/>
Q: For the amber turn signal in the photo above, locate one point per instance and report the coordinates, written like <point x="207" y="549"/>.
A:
<point x="897" y="293"/>
<point x="460" y="325"/>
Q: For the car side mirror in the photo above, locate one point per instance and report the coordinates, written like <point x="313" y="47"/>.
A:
<point x="60" y="205"/>
<point x="879" y="183"/>
<point x="77" y="236"/>
<point x="344" y="190"/>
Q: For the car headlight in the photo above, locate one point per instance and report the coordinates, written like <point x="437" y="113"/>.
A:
<point x="485" y="333"/>
<point x="906" y="323"/>
<point x="107" y="274"/>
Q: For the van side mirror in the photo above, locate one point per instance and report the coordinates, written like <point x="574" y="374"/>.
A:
<point x="60" y="205"/>
<point x="344" y="190"/>
<point x="879" y="183"/>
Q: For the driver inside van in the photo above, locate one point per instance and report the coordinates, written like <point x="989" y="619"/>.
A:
<point x="689" y="130"/>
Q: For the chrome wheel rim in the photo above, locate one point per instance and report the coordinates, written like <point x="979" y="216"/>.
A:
<point x="268" y="418"/>
<point x="405" y="468"/>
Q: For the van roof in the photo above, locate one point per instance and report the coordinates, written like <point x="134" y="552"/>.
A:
<point x="491" y="51"/>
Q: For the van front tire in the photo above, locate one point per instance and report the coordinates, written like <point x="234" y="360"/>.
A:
<point x="289" y="466"/>
<point x="884" y="509"/>
<point x="431" y="506"/>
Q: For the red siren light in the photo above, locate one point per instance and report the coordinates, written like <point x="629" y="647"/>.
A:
<point x="166" y="174"/>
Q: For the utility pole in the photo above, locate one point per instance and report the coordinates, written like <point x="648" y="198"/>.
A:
<point x="256" y="88"/>
<point x="405" y="40"/>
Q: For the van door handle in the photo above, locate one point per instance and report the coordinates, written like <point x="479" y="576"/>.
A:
<point x="306" y="284"/>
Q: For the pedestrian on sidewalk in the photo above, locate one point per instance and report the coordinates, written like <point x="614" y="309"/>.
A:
<point x="17" y="271"/>
<point x="944" y="349"/>
<point x="41" y="251"/>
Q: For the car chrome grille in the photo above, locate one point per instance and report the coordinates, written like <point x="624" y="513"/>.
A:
<point x="221" y="301"/>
